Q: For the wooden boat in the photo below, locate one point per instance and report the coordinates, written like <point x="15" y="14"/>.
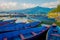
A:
<point x="18" y="26"/>
<point x="32" y="24"/>
<point x="53" y="33"/>
<point x="25" y="34"/>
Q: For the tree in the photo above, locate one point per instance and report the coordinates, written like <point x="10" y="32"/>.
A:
<point x="54" y="13"/>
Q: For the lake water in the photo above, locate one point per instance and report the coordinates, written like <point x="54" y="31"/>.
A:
<point x="25" y="19"/>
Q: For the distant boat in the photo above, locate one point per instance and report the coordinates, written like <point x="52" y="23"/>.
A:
<point x="6" y="22"/>
<point x="1" y="20"/>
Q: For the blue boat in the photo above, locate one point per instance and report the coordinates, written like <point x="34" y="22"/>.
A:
<point x="32" y="24"/>
<point x="18" y="26"/>
<point x="53" y="33"/>
<point x="25" y="34"/>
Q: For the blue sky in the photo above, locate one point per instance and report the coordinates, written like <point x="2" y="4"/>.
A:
<point x="23" y="4"/>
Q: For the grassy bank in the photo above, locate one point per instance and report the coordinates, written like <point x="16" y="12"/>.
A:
<point x="58" y="23"/>
<point x="50" y="23"/>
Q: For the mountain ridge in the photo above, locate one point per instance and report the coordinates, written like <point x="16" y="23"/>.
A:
<point x="34" y="10"/>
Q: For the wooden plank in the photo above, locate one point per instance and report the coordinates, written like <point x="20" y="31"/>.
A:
<point x="55" y="35"/>
<point x="22" y="37"/>
<point x="34" y="34"/>
<point x="4" y="38"/>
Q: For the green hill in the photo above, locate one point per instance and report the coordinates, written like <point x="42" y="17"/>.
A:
<point x="55" y="10"/>
<point x="52" y="13"/>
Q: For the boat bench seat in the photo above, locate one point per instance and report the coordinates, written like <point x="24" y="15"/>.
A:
<point x="58" y="35"/>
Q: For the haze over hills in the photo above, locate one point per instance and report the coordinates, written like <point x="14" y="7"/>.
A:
<point x="34" y="10"/>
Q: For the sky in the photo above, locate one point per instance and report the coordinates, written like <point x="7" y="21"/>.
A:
<point x="24" y="4"/>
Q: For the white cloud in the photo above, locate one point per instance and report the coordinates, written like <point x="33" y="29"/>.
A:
<point x="27" y="5"/>
<point x="50" y="4"/>
<point x="7" y="5"/>
<point x="14" y="5"/>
